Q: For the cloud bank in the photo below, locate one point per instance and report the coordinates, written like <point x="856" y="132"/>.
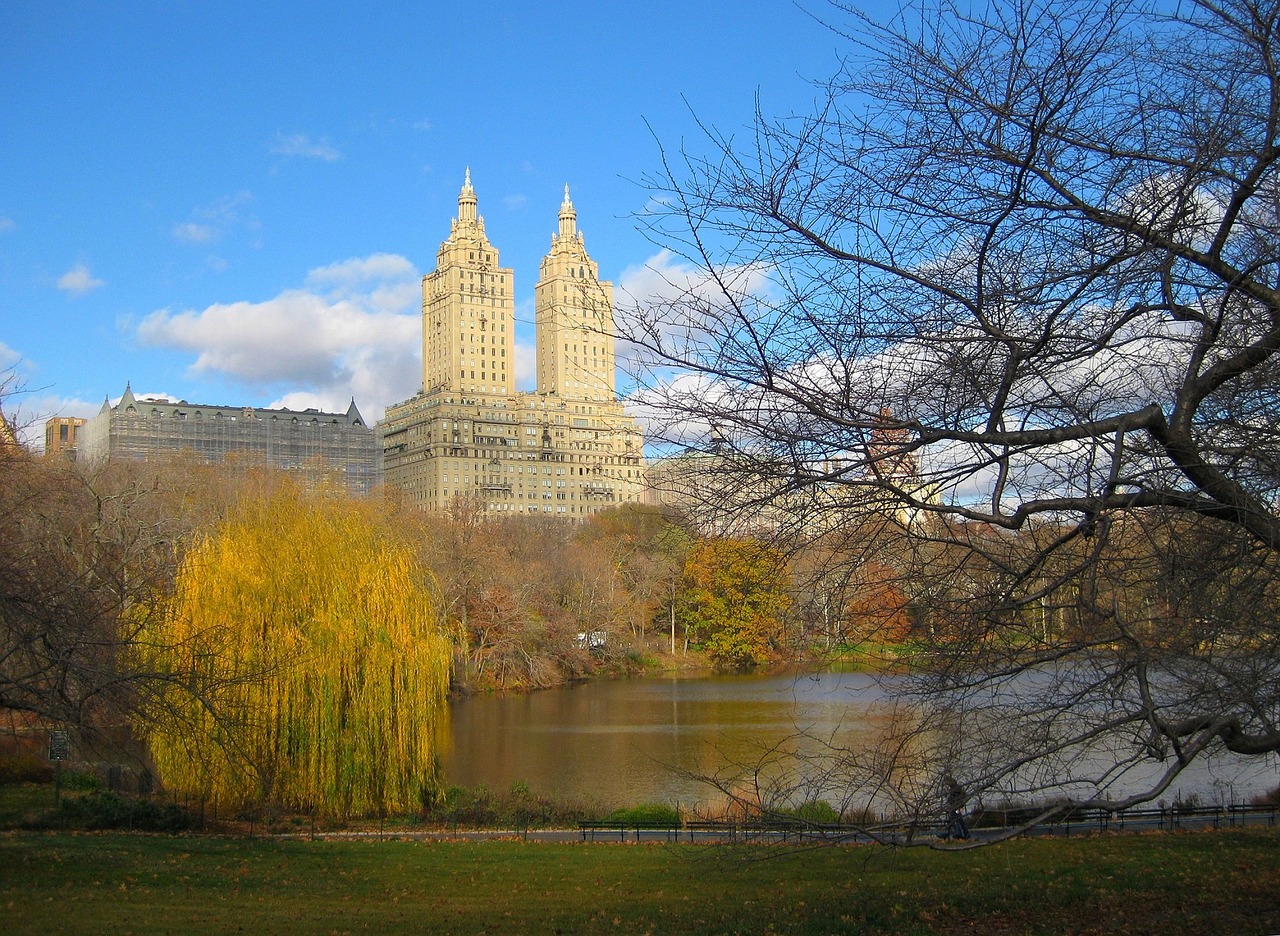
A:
<point x="352" y="331"/>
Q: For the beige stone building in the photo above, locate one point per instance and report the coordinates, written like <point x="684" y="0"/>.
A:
<point x="567" y="449"/>
<point x="61" y="435"/>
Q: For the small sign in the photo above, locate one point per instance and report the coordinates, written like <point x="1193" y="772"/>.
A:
<point x="59" y="745"/>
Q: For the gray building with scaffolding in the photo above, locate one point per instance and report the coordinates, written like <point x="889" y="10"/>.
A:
<point x="338" y="448"/>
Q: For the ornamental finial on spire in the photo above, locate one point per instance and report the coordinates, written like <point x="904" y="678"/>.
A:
<point x="467" y="201"/>
<point x="568" y="217"/>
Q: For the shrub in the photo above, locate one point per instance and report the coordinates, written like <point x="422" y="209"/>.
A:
<point x="105" y="810"/>
<point x="1005" y="815"/>
<point x="1269" y="798"/>
<point x="25" y="768"/>
<point x="80" y="780"/>
<point x="519" y="807"/>
<point x="658" y="814"/>
<point x="817" y="812"/>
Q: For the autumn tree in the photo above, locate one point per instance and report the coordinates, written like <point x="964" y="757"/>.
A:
<point x="1017" y="281"/>
<point x="516" y="596"/>
<point x="877" y="610"/>
<point x="647" y="546"/>
<point x="734" y="594"/>
<point x="58" y="610"/>
<point x="851" y="587"/>
<point x="88" y="555"/>
<point x="524" y="591"/>
<point x="313" y="670"/>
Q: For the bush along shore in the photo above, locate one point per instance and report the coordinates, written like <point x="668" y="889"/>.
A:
<point x="81" y="802"/>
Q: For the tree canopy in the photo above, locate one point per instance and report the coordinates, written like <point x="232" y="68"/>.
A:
<point x="1016" y="280"/>
<point x="310" y="669"/>
<point x="733" y="596"/>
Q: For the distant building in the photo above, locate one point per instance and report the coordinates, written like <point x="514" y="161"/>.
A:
<point x="8" y="434"/>
<point x="61" y="434"/>
<point x="726" y="491"/>
<point x="338" y="447"/>
<point x="566" y="450"/>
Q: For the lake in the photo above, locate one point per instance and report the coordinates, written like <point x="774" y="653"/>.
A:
<point x="643" y="740"/>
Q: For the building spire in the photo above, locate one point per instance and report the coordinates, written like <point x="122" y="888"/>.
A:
<point x="467" y="201"/>
<point x="568" y="217"/>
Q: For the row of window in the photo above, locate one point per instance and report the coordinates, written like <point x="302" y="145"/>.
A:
<point x="533" y="508"/>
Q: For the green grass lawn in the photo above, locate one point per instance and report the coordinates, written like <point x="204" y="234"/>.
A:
<point x="1203" y="882"/>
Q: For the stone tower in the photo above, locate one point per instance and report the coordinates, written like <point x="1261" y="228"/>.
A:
<point x="468" y="306"/>
<point x="574" y="315"/>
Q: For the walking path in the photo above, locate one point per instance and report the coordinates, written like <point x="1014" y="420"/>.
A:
<point x="1090" y="822"/>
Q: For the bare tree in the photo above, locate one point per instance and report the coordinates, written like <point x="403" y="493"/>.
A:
<point x="82" y="561"/>
<point x="87" y="559"/>
<point x="1015" y="282"/>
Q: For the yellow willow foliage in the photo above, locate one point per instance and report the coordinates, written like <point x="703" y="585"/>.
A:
<point x="308" y="668"/>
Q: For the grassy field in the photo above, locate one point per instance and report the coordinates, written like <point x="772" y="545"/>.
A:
<point x="1205" y="882"/>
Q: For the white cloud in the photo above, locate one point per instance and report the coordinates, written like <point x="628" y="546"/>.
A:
<point x="227" y="210"/>
<point x="657" y="205"/>
<point x="299" y="144"/>
<point x="526" y="375"/>
<point x="680" y="312"/>
<point x="388" y="281"/>
<point x="423" y="124"/>
<point x="48" y="405"/>
<point x="667" y="277"/>
<point x="29" y="408"/>
<point x="526" y="355"/>
<point x="353" y="330"/>
<point x="304" y="399"/>
<point x="211" y="222"/>
<point x="671" y="304"/>
<point x="515" y="202"/>
<point x="683" y="306"/>
<point x="193" y="233"/>
<point x="79" y="281"/>
<point x="7" y="225"/>
<point x="671" y="411"/>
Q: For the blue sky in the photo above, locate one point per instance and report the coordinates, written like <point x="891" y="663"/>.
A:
<point x="234" y="203"/>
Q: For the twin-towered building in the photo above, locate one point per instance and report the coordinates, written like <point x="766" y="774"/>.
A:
<point x="566" y="449"/>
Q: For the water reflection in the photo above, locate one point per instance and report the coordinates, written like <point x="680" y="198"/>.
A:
<point x="637" y="740"/>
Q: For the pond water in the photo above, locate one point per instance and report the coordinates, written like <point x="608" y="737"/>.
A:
<point x="645" y="740"/>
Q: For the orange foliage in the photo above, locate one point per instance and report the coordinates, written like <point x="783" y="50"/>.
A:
<point x="878" y="609"/>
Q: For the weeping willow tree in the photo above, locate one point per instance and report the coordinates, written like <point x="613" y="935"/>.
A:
<point x="313" y="672"/>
